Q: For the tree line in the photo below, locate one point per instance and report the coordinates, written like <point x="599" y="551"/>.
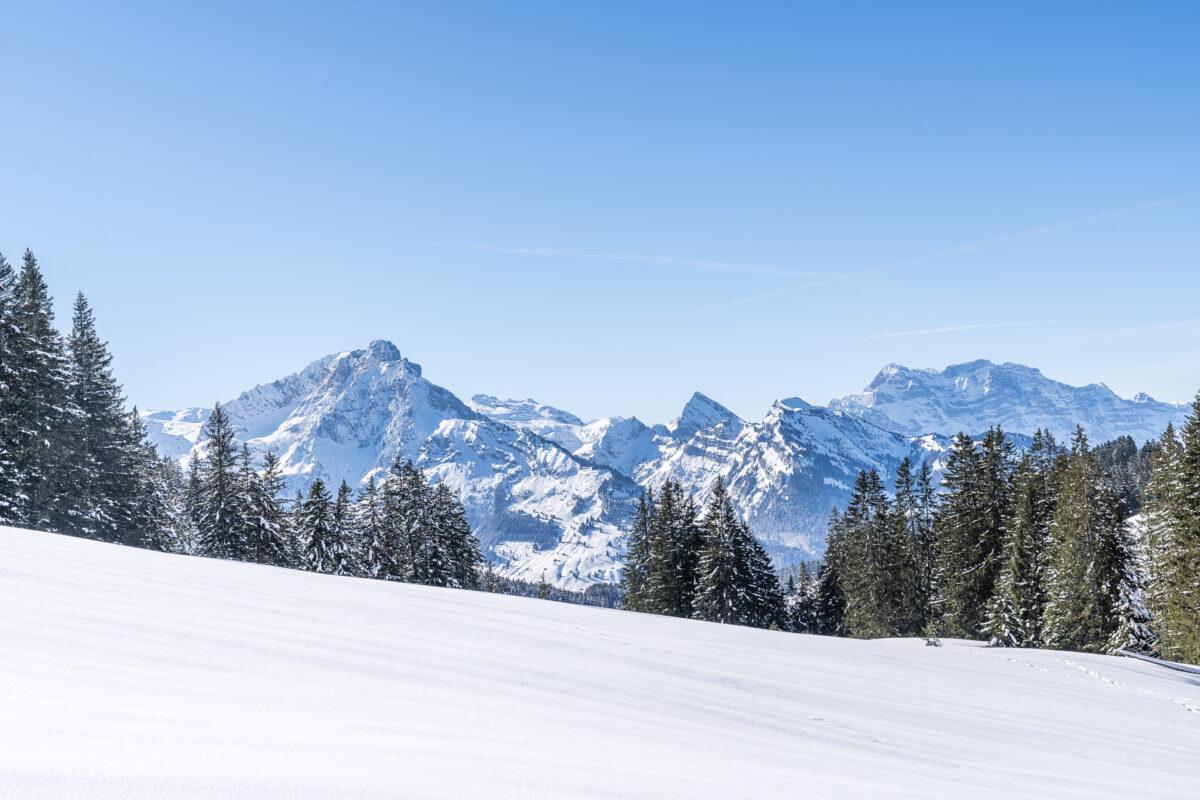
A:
<point x="709" y="567"/>
<point x="72" y="459"/>
<point x="1028" y="550"/>
<point x="401" y="528"/>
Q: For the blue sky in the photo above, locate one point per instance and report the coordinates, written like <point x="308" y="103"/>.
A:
<point x="608" y="206"/>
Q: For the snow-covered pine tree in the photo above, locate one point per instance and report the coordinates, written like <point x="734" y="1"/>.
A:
<point x="10" y="393"/>
<point x="39" y="401"/>
<point x="1173" y="540"/>
<point x="462" y="552"/>
<point x="1084" y="570"/>
<point x="722" y="593"/>
<point x="634" y="583"/>
<point x="376" y="555"/>
<point x="676" y="542"/>
<point x="265" y="524"/>
<point x="764" y="591"/>
<point x="323" y="551"/>
<point x="1161" y="514"/>
<point x="220" y="527"/>
<point x="406" y="505"/>
<point x="914" y="519"/>
<point x="1016" y="608"/>
<point x="969" y="531"/>
<point x="1135" y="630"/>
<point x="344" y="530"/>
<point x="801" y="602"/>
<point x="830" y="598"/>
<point x="101" y="459"/>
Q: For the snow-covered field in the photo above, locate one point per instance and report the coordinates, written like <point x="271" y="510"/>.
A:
<point x="132" y="674"/>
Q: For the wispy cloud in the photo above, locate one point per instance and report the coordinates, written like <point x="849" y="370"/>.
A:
<point x="1117" y="333"/>
<point x="948" y="329"/>
<point x="636" y="258"/>
<point x="1032" y="233"/>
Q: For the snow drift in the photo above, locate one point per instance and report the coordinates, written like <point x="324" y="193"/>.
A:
<point x="131" y="674"/>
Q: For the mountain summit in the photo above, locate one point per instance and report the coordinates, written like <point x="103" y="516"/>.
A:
<point x="971" y="397"/>
<point x="548" y="493"/>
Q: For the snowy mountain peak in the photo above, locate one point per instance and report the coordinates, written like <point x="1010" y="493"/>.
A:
<point x="528" y="410"/>
<point x="977" y="394"/>
<point x="699" y="413"/>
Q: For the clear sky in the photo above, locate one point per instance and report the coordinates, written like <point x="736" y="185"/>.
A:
<point x="608" y="206"/>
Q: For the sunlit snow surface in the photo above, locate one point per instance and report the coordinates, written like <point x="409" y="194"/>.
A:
<point x="130" y="674"/>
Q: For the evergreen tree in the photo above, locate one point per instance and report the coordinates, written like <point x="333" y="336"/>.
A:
<point x="324" y="550"/>
<point x="634" y="578"/>
<point x="11" y="390"/>
<point x="265" y="524"/>
<point x="39" y="402"/>
<point x="969" y="530"/>
<point x="1085" y="567"/>
<point x="721" y="595"/>
<point x="1016" y="609"/>
<point x="220" y="527"/>
<point x="830" y="598"/>
<point x="461" y="552"/>
<point x="675" y="547"/>
<point x="377" y="556"/>
<point x="99" y="471"/>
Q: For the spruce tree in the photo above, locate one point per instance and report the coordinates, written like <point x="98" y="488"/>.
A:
<point x="675" y="547"/>
<point x="969" y="530"/>
<point x="220" y="526"/>
<point x="100" y="458"/>
<point x="634" y="578"/>
<point x="10" y="393"/>
<point x="376" y="555"/>
<point x="830" y="599"/>
<point x="325" y="551"/>
<point x="264" y="522"/>
<point x="1016" y="609"/>
<point x="40" y="402"/>
<point x="461" y="552"/>
<point x="722" y="592"/>
<point x="1085" y="564"/>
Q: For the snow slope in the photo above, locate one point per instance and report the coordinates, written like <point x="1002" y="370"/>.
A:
<point x="130" y="674"/>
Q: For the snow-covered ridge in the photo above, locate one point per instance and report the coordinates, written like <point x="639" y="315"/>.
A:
<point x="973" y="396"/>
<point x="548" y="493"/>
<point x="131" y="674"/>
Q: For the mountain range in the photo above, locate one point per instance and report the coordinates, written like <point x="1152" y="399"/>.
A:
<point x="548" y="493"/>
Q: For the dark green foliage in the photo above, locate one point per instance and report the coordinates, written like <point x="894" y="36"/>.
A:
<point x="220" y="522"/>
<point x="970" y="531"/>
<point x="1016" y="609"/>
<point x="715" y="566"/>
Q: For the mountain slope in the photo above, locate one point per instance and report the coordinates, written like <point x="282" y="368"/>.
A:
<point x="548" y="494"/>
<point x="973" y="396"/>
<point x="131" y="674"/>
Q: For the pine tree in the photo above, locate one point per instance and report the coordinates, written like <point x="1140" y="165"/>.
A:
<point x="101" y="473"/>
<point x="376" y="555"/>
<point x="1016" y="609"/>
<point x="405" y="502"/>
<point x="830" y="597"/>
<point x="324" y="550"/>
<point x="634" y="578"/>
<point x="39" y="402"/>
<point x="721" y="595"/>
<point x="1084" y="566"/>
<point x="11" y="390"/>
<point x="461" y="553"/>
<point x="969" y="529"/>
<point x="675" y="547"/>
<point x="220" y="526"/>
<point x="1173" y="540"/>
<point x="264" y="522"/>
